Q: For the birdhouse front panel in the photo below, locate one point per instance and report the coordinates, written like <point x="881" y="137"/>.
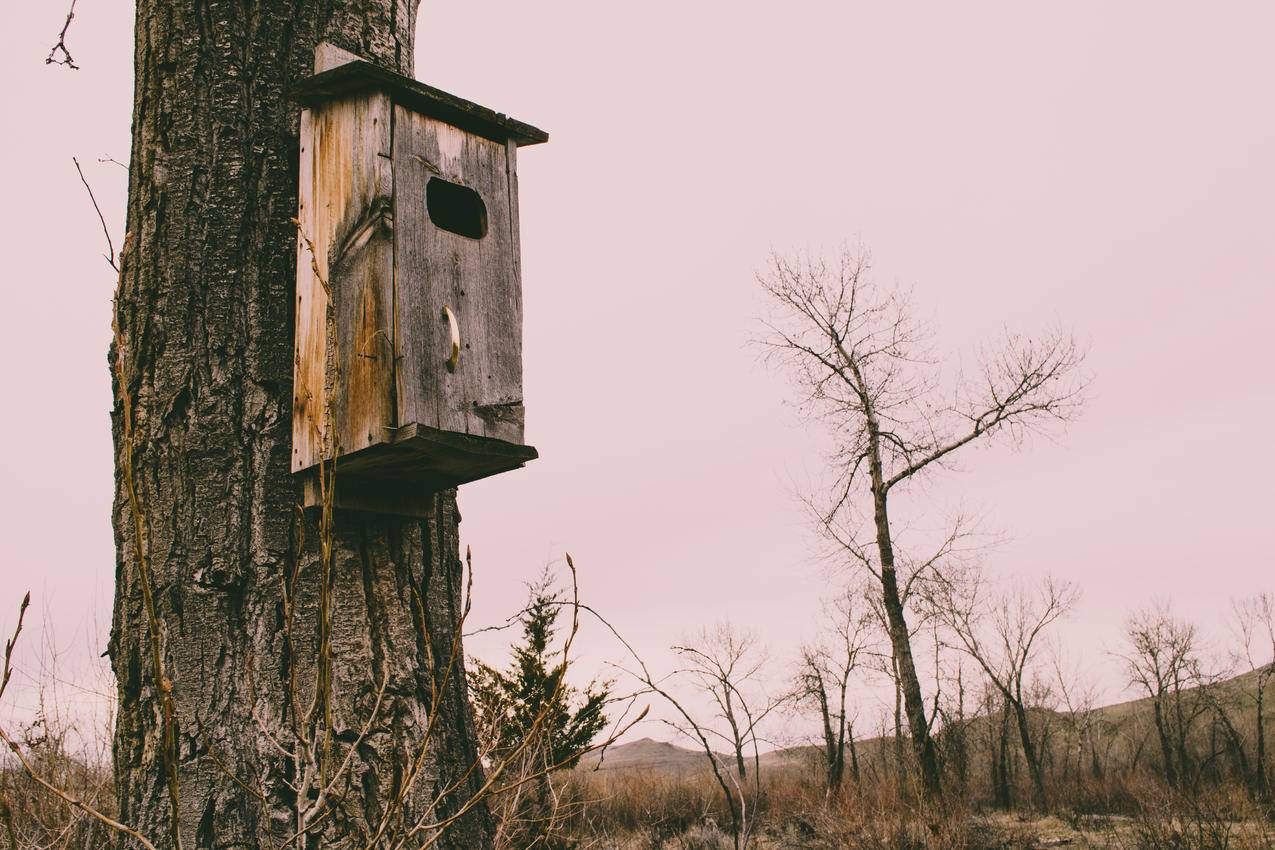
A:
<point x="408" y="369"/>
<point x="457" y="279"/>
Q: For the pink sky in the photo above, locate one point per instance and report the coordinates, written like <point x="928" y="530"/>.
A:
<point x="1106" y="166"/>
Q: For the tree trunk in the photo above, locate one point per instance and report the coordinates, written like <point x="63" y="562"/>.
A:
<point x="1166" y="748"/>
<point x="961" y="731"/>
<point x="855" y="773"/>
<point x="1263" y="788"/>
<point x="832" y="767"/>
<point x="1029" y="752"/>
<point x="899" y="762"/>
<point x="1235" y="749"/>
<point x="1187" y="773"/>
<point x="1000" y="768"/>
<point x="205" y="332"/>
<point x="901" y="646"/>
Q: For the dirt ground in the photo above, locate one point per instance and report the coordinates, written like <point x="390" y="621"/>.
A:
<point x="996" y="832"/>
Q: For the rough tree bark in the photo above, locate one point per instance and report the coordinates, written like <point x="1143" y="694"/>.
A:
<point x="206" y="323"/>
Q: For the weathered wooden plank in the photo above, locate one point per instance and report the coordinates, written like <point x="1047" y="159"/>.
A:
<point x="439" y="458"/>
<point x="503" y="412"/>
<point x="398" y="477"/>
<point x="346" y="240"/>
<point x="343" y="79"/>
<point x="311" y="322"/>
<point x="475" y="278"/>
<point x="419" y="338"/>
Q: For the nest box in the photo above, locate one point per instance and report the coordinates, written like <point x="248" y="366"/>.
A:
<point x="408" y="367"/>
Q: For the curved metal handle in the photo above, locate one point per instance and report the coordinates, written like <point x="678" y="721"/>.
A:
<point x="453" y="329"/>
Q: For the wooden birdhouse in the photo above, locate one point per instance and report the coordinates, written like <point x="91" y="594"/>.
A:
<point x="408" y="368"/>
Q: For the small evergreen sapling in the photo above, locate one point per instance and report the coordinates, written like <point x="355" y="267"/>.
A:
<point x="530" y="705"/>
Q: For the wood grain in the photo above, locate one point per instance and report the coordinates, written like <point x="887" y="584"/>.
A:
<point x="345" y="210"/>
<point x="477" y="279"/>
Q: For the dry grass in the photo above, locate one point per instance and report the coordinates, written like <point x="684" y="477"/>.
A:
<point x="653" y="810"/>
<point x="32" y="816"/>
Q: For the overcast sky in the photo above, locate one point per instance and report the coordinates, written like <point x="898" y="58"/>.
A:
<point x="1106" y="166"/>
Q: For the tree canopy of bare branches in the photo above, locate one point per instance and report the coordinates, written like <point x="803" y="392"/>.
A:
<point x="726" y="663"/>
<point x="1162" y="659"/>
<point x="1002" y="633"/>
<point x="1253" y="624"/>
<point x="823" y="680"/>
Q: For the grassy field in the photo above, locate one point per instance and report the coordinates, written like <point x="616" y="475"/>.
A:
<point x="645" y="809"/>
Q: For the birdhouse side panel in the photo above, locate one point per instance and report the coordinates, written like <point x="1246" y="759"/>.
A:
<point x="456" y="281"/>
<point x="343" y="399"/>
<point x="500" y="402"/>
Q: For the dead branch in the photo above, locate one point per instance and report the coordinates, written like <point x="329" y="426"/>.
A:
<point x="60" y="47"/>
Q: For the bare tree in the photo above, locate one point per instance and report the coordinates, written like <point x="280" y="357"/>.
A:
<point x="995" y="710"/>
<point x="1253" y="622"/>
<point x="1162" y="658"/>
<point x="731" y="785"/>
<point x="860" y="359"/>
<point x="726" y="663"/>
<point x="823" y="680"/>
<point x="1079" y="697"/>
<point x="953" y="735"/>
<point x="1002" y="632"/>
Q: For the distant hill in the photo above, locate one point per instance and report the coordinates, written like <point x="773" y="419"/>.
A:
<point x="662" y="756"/>
<point x="646" y="754"/>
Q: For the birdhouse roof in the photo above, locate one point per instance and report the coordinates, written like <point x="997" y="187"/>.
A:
<point x="361" y="76"/>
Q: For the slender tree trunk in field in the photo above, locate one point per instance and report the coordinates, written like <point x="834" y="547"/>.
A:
<point x="206" y="324"/>
<point x="1263" y="786"/>
<point x="833" y="747"/>
<point x="900" y="639"/>
<point x="741" y="767"/>
<point x="900" y="764"/>
<point x="1004" y="796"/>
<point x="854" y="758"/>
<point x="1166" y="749"/>
<point x="1029" y="752"/>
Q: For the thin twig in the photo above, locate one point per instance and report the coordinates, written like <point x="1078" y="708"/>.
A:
<point x="110" y="257"/>
<point x="60" y="46"/>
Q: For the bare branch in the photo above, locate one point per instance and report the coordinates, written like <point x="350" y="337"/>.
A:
<point x="59" y="55"/>
<point x="110" y="246"/>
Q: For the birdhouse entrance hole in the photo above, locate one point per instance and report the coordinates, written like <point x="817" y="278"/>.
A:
<point x="455" y="208"/>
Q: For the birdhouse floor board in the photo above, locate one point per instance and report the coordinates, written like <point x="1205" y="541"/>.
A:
<point x="398" y="477"/>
